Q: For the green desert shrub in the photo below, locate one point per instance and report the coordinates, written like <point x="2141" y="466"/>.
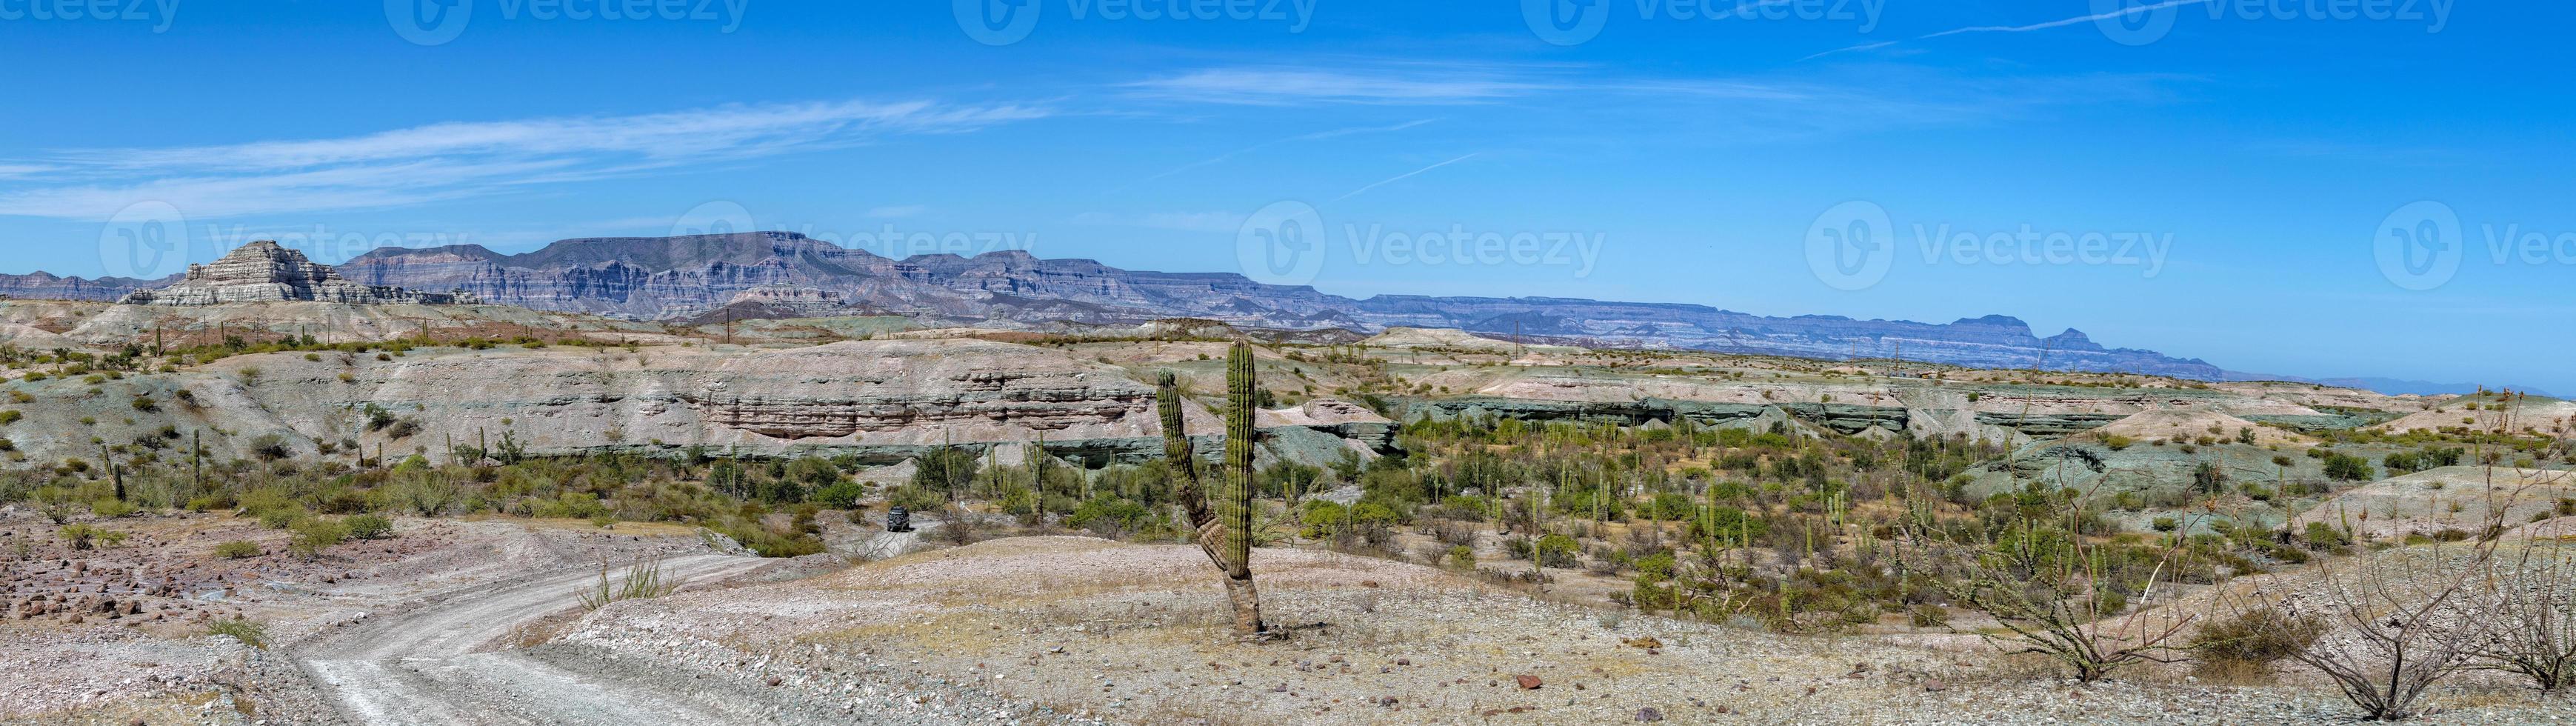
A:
<point x="840" y="495"/>
<point x="370" y="527"/>
<point x="1558" y="550"/>
<point x="241" y="629"/>
<point x="237" y="549"/>
<point x="110" y="507"/>
<point x="312" y="535"/>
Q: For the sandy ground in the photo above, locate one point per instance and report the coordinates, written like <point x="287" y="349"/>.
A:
<point x="475" y="624"/>
<point x="2428" y="502"/>
<point x="120" y="632"/>
<point x="1136" y="634"/>
<point x="2189" y="424"/>
<point x="433" y="663"/>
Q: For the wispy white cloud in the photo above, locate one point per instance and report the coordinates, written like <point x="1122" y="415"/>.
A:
<point x="1404" y="176"/>
<point x="1277" y="86"/>
<point x="1850" y="49"/>
<point x="2077" y="20"/>
<point x="457" y="159"/>
<point x="2120" y="13"/>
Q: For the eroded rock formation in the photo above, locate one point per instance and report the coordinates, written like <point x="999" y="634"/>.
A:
<point x="267" y="272"/>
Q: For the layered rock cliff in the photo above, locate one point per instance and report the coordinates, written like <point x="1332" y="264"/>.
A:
<point x="661" y="278"/>
<point x="267" y="272"/>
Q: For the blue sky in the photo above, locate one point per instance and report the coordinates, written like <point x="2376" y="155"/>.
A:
<point x="2208" y="179"/>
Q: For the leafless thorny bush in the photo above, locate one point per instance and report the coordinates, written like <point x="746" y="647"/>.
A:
<point x="2528" y="599"/>
<point x="2403" y="620"/>
<point x="2052" y="591"/>
<point x="960" y="526"/>
<point x="2530" y="608"/>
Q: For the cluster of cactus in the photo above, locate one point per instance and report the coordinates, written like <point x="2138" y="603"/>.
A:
<point x="1224" y="525"/>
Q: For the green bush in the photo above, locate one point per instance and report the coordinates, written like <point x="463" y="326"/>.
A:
<point x="110" y="507"/>
<point x="282" y="517"/>
<point x="10" y="417"/>
<point x="80" y="536"/>
<point x="237" y="549"/>
<point x="370" y="527"/>
<point x="2322" y="536"/>
<point x="1670" y="507"/>
<point x="241" y="629"/>
<point x="840" y="495"/>
<point x="1111" y="517"/>
<point x="770" y="543"/>
<point x="312" y="535"/>
<point x="915" y="498"/>
<point x="1558" y="550"/>
<point x="2345" y="467"/>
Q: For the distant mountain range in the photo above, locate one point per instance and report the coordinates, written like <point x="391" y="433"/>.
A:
<point x="679" y="278"/>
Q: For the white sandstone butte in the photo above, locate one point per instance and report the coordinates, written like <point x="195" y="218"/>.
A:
<point x="265" y="271"/>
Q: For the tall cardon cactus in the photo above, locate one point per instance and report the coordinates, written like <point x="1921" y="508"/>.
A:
<point x="1225" y="529"/>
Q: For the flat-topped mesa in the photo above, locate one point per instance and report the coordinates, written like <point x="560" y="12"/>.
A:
<point x="790" y="296"/>
<point x="265" y="271"/>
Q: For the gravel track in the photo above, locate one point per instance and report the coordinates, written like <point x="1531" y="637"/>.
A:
<point x="423" y="666"/>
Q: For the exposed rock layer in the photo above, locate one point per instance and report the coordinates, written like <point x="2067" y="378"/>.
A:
<point x="266" y="272"/>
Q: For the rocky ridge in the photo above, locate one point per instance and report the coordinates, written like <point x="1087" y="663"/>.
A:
<point x="677" y="277"/>
<point x="267" y="272"/>
<point x="715" y="278"/>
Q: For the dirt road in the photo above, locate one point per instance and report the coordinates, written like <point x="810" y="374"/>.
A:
<point x="432" y="665"/>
